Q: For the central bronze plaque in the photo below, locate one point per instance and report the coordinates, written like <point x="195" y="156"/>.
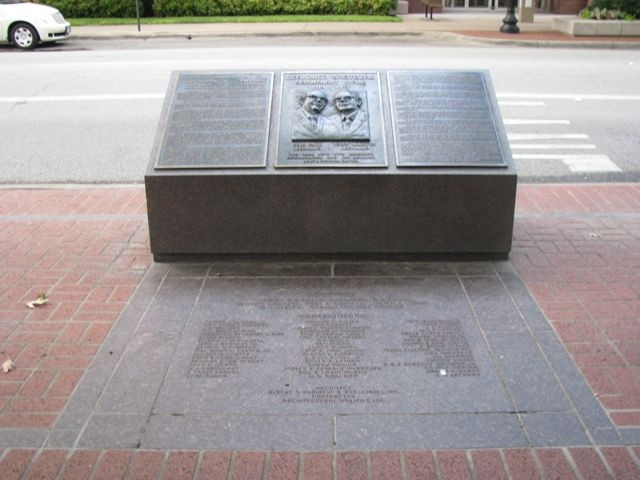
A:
<point x="331" y="119"/>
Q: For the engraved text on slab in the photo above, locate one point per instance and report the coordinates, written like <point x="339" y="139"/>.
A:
<point x="325" y="346"/>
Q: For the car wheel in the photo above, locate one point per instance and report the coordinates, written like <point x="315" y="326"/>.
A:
<point x="24" y="36"/>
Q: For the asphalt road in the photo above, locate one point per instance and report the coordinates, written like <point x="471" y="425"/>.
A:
<point x="87" y="111"/>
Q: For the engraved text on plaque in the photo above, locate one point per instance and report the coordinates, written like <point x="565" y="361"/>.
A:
<point x="443" y="119"/>
<point x="218" y="121"/>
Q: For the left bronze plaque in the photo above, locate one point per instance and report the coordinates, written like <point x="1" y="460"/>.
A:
<point x="217" y="121"/>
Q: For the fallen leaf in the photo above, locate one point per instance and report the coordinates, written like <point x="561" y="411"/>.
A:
<point x="8" y="365"/>
<point x="41" y="300"/>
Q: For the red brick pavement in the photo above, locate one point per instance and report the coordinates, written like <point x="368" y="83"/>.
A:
<point x="87" y="250"/>
<point x="549" y="464"/>
<point x="578" y="250"/>
<point x="575" y="246"/>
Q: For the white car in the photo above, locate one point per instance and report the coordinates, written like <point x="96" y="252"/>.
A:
<point x="25" y="24"/>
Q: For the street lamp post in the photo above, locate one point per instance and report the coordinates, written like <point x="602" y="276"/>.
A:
<point x="510" y="22"/>
<point x="138" y="13"/>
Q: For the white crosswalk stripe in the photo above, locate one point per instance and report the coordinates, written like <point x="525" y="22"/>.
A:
<point x="547" y="136"/>
<point x="571" y="96"/>
<point x="563" y="147"/>
<point x="590" y="163"/>
<point x="552" y="146"/>
<point x="82" y="98"/>
<point x="516" y="103"/>
<point x="534" y="121"/>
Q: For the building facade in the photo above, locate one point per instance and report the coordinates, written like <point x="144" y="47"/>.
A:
<point x="551" y="6"/>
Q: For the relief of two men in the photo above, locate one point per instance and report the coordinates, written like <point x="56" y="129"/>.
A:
<point x="349" y="122"/>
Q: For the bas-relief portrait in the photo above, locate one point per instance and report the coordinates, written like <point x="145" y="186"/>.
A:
<point x="331" y="116"/>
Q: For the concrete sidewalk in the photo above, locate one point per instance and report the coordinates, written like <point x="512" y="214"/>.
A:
<point x="479" y="28"/>
<point x="576" y="248"/>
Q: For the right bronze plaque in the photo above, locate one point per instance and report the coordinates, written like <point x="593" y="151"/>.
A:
<point x="445" y="119"/>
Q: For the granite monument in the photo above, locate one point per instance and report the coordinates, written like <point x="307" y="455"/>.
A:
<point x="366" y="162"/>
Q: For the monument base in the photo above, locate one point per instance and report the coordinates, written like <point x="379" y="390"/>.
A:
<point x="217" y="212"/>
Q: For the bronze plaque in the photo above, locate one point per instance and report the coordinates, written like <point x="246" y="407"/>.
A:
<point x="445" y="119"/>
<point x="330" y="119"/>
<point x="217" y="120"/>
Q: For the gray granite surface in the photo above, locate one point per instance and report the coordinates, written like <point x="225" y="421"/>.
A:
<point x="370" y="355"/>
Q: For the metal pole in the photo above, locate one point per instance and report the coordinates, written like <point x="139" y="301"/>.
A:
<point x="138" y="13"/>
<point x="510" y="22"/>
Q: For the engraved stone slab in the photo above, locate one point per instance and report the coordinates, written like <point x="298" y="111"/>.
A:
<point x="217" y="121"/>
<point x="322" y="346"/>
<point x="331" y="119"/>
<point x="443" y="118"/>
<point x="376" y="361"/>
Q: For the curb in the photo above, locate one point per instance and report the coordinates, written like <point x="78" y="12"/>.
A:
<point x="596" y="45"/>
<point x="149" y="36"/>
<point x="436" y="35"/>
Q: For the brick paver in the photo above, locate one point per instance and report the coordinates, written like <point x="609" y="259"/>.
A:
<point x="420" y="465"/>
<point x="386" y="466"/>
<point x="488" y="465"/>
<point x="15" y="463"/>
<point x="352" y="466"/>
<point x="521" y="464"/>
<point x="589" y="463"/>
<point x="113" y="464"/>
<point x="577" y="248"/>
<point x="283" y="466"/>
<point x="248" y="466"/>
<point x="317" y="466"/>
<point x="181" y="466"/>
<point x="453" y="464"/>
<point x="622" y="463"/>
<point x="215" y="466"/>
<point x="47" y="465"/>
<point x="80" y="465"/>
<point x="554" y="464"/>
<point x="146" y="465"/>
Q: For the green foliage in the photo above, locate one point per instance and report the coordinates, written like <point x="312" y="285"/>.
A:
<point x="625" y="7"/>
<point x="72" y="8"/>
<point x="100" y="8"/>
<point x="79" y="22"/>
<point x="175" y="8"/>
<point x="585" y="13"/>
<point x="600" y="14"/>
<point x="198" y="8"/>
